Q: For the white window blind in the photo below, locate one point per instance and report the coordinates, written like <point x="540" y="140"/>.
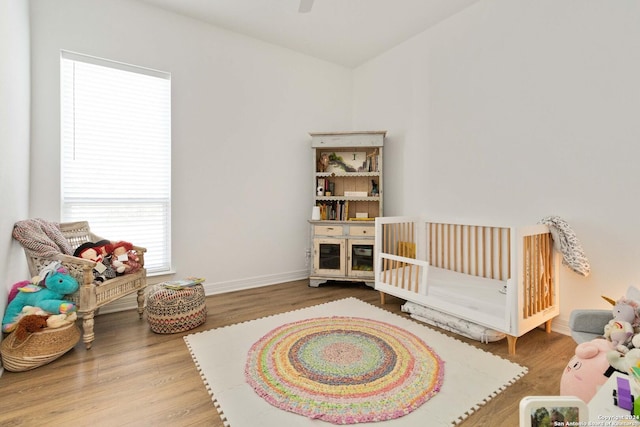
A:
<point x="116" y="152"/>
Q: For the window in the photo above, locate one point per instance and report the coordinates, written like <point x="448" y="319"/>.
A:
<point x="116" y="152"/>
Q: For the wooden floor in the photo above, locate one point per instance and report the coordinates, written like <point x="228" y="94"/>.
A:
<point x="134" y="377"/>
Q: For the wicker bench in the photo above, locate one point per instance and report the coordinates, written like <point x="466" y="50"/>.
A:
<point x="90" y="296"/>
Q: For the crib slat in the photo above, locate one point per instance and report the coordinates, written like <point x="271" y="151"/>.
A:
<point x="526" y="282"/>
<point x="448" y="244"/>
<point x="484" y="252"/>
<point x="431" y="244"/>
<point x="402" y="281"/>
<point x="411" y="278"/>
<point x="500" y="253"/>
<point x="394" y="278"/>
<point x="547" y="251"/>
<point x="492" y="255"/>
<point x="533" y="277"/>
<point x="508" y="253"/>
<point x="440" y="237"/>
<point x="530" y="274"/>
<point x="539" y="276"/>
<point x="455" y="247"/>
<point x="468" y="270"/>
<point x="385" y="238"/>
<point x="475" y="251"/>
<point x="525" y="278"/>
<point x="544" y="272"/>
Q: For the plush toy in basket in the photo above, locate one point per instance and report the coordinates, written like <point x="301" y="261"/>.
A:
<point x="46" y="293"/>
<point x="27" y="349"/>
<point x="41" y="322"/>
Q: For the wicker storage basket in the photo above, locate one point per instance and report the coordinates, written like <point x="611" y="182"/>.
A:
<point x="176" y="310"/>
<point x="39" y="348"/>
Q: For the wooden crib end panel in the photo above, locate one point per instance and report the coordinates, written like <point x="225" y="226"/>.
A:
<point x="537" y="269"/>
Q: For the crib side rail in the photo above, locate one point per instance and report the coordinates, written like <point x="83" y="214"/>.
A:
<point x="398" y="271"/>
<point x="483" y="251"/>
<point x="402" y="276"/>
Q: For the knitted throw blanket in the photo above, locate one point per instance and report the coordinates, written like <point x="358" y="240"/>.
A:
<point x="41" y="238"/>
<point x="566" y="241"/>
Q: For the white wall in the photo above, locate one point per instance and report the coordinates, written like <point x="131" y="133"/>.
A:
<point x="14" y="138"/>
<point x="242" y="110"/>
<point x="513" y="110"/>
<point x="509" y="111"/>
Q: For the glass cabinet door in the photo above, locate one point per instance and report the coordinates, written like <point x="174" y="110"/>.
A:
<point x="329" y="257"/>
<point x="360" y="262"/>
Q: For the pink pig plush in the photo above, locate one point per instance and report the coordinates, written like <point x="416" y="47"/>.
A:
<point x="585" y="372"/>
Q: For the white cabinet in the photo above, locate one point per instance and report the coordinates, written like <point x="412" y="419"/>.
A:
<point x="342" y="252"/>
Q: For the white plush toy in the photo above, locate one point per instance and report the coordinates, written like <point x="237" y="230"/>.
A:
<point x="621" y="329"/>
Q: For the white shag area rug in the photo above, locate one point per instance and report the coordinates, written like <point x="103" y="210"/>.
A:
<point x="471" y="376"/>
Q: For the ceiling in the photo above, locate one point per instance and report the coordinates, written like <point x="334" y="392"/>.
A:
<point x="346" y="32"/>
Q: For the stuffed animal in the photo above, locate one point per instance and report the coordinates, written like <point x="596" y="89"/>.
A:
<point x="585" y="372"/>
<point x="123" y="258"/>
<point x="628" y="363"/>
<point x="97" y="252"/>
<point x="59" y="320"/>
<point x="323" y="162"/>
<point x="28" y="310"/>
<point x="624" y="325"/>
<point x="29" y="324"/>
<point x="47" y="295"/>
<point x="53" y="320"/>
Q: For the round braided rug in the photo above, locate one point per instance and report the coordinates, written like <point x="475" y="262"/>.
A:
<point x="344" y="370"/>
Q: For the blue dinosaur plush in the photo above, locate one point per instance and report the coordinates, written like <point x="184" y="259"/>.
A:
<point x="48" y="294"/>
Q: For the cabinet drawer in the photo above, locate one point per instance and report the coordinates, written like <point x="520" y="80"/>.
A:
<point x="328" y="230"/>
<point x="356" y="230"/>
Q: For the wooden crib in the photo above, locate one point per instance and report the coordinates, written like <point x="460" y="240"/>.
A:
<point x="503" y="278"/>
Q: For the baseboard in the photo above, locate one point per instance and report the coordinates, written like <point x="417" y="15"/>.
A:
<point x="253" y="282"/>
<point x="130" y="302"/>
<point x="561" y="326"/>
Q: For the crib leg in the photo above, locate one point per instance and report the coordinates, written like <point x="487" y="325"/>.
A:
<point x="382" y="299"/>
<point x="547" y="326"/>
<point x="511" y="341"/>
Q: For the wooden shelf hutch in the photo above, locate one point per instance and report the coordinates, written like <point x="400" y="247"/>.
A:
<point x="348" y="189"/>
